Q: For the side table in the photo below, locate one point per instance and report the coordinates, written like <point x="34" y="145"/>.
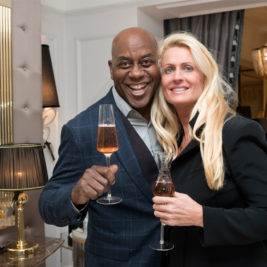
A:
<point x="47" y="246"/>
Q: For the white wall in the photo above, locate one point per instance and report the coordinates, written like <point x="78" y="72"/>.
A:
<point x="89" y="37"/>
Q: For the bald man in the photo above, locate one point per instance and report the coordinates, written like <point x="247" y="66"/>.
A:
<point x="120" y="234"/>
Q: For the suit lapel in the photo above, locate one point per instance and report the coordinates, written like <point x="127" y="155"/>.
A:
<point x="127" y="157"/>
<point x="144" y="157"/>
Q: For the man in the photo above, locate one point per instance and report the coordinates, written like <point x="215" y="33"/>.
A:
<point x="118" y="235"/>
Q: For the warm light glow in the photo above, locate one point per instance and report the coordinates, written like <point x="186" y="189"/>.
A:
<point x="50" y="97"/>
<point x="20" y="174"/>
<point x="49" y="115"/>
<point x="259" y="58"/>
<point x="22" y="167"/>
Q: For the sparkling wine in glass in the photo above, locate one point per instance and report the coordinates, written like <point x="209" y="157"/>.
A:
<point x="107" y="143"/>
<point x="163" y="186"/>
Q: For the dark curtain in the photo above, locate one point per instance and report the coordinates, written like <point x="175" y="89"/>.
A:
<point x="221" y="33"/>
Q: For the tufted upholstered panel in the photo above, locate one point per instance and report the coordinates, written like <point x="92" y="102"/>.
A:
<point x="27" y="77"/>
<point x="27" y="98"/>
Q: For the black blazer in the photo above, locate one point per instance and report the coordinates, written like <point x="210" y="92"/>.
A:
<point x="235" y="217"/>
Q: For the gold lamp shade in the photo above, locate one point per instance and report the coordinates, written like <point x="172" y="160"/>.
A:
<point x="259" y="58"/>
<point x="22" y="167"/>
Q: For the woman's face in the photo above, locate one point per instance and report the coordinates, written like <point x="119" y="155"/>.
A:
<point x="182" y="81"/>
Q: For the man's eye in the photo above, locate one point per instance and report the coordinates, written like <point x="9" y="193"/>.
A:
<point x="168" y="70"/>
<point x="124" y="64"/>
<point x="188" y="68"/>
<point x="147" y="63"/>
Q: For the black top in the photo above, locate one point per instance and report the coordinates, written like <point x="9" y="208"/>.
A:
<point x="235" y="217"/>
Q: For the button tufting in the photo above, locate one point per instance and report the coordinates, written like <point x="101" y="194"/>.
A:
<point x="24" y="67"/>
<point x="23" y="27"/>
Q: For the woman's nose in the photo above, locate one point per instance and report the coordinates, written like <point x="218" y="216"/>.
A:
<point x="177" y="75"/>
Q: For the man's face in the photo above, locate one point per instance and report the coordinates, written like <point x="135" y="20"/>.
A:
<point x="134" y="71"/>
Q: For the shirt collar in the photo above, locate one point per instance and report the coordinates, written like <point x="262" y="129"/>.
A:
<point x="124" y="107"/>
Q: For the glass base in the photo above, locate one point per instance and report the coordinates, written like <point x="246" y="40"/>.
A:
<point x="166" y="246"/>
<point x="109" y="200"/>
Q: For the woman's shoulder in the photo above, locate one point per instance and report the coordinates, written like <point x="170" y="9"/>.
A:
<point x="238" y="126"/>
<point x="236" y="121"/>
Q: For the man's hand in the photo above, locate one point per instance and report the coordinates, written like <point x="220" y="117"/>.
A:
<point x="94" y="182"/>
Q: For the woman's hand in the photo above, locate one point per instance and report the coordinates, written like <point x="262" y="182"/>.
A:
<point x="179" y="210"/>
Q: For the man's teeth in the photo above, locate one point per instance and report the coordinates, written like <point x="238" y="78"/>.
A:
<point x="138" y="92"/>
<point x="137" y="87"/>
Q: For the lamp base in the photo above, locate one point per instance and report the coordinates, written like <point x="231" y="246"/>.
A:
<point x="21" y="250"/>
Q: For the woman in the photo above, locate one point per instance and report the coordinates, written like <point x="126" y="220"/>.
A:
<point x="219" y="212"/>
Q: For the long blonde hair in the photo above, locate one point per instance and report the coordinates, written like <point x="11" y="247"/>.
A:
<point x="210" y="109"/>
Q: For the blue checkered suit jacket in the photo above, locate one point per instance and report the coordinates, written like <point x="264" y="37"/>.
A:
<point x="118" y="235"/>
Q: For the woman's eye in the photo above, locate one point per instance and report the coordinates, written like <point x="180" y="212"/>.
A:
<point x="168" y="70"/>
<point x="188" y="68"/>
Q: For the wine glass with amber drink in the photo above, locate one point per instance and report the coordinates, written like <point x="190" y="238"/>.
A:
<point x="107" y="143"/>
<point x="163" y="187"/>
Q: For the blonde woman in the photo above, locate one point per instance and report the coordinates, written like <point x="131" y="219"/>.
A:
<point x="218" y="213"/>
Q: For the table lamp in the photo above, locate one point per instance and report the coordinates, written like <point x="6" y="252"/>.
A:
<point x="50" y="98"/>
<point x="22" y="168"/>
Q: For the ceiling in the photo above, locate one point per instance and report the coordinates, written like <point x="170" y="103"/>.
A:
<point x="161" y="9"/>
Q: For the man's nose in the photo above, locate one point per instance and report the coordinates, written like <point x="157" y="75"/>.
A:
<point x="136" y="72"/>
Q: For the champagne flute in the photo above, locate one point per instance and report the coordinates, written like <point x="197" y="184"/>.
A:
<point x="163" y="186"/>
<point x="107" y="143"/>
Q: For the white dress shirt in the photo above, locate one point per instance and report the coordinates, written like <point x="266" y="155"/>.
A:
<point x="144" y="128"/>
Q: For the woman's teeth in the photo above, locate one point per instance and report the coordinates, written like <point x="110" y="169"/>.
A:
<point x="178" y="90"/>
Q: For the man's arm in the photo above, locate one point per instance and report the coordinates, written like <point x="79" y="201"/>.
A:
<point x="72" y="184"/>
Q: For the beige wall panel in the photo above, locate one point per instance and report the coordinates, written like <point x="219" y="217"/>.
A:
<point x="27" y="78"/>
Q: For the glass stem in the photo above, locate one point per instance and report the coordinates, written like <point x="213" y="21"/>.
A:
<point x="108" y="164"/>
<point x="161" y="234"/>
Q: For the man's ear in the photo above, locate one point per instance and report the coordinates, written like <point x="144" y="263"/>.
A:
<point x="110" y="69"/>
